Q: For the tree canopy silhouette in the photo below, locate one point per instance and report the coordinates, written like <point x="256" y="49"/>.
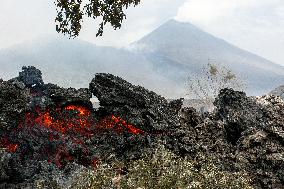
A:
<point x="70" y="14"/>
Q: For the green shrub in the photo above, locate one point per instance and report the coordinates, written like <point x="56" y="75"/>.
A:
<point x="163" y="169"/>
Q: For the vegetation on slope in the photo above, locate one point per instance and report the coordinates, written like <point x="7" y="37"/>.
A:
<point x="163" y="169"/>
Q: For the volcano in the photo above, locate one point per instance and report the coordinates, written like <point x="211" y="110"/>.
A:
<point x="161" y="61"/>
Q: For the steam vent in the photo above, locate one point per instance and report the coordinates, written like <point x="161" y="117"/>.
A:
<point x="51" y="134"/>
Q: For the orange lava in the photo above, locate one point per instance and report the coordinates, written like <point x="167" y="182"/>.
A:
<point x="72" y="124"/>
<point x="119" y="125"/>
<point x="8" y="146"/>
<point x="82" y="110"/>
<point x="79" y="120"/>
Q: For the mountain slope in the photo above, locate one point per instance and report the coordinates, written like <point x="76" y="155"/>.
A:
<point x="73" y="63"/>
<point x="279" y="91"/>
<point x="184" y="45"/>
<point x="161" y="61"/>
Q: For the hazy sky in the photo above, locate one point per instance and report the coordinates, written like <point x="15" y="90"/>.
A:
<point x="254" y="25"/>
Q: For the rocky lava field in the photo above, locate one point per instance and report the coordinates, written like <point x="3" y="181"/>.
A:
<point x="51" y="133"/>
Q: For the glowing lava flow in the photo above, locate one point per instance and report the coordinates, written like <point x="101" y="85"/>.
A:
<point x="82" y="110"/>
<point x="119" y="125"/>
<point x="10" y="147"/>
<point x="80" y="122"/>
<point x="73" y="118"/>
<point x="61" y="128"/>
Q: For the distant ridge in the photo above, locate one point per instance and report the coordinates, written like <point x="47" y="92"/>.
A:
<point x="161" y="61"/>
<point x="188" y="47"/>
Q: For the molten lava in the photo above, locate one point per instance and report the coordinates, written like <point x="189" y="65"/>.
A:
<point x="57" y="132"/>
<point x="72" y="118"/>
<point x="82" y="110"/>
<point x="119" y="125"/>
<point x="10" y="147"/>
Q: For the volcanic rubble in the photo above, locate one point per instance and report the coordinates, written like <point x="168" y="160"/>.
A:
<point x="51" y="133"/>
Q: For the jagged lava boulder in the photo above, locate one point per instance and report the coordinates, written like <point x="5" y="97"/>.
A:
<point x="14" y="100"/>
<point x="141" y="107"/>
<point x="30" y="76"/>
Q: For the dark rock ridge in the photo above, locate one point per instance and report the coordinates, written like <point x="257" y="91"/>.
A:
<point x="143" y="108"/>
<point x="242" y="133"/>
<point x="258" y="124"/>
